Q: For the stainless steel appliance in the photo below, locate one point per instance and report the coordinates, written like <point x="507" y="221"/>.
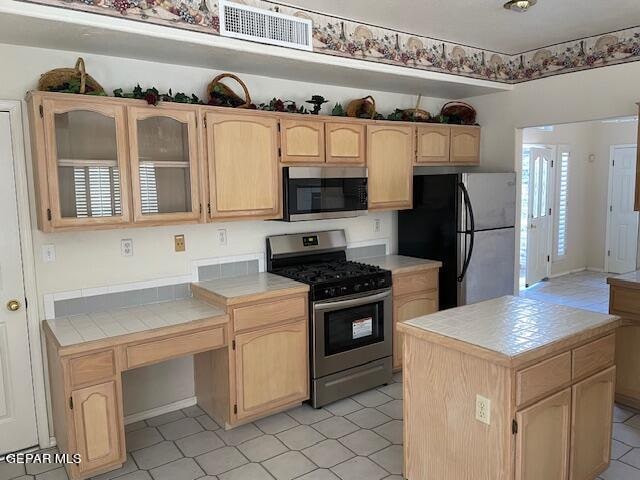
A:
<point x="314" y="193"/>
<point x="349" y="310"/>
<point x="467" y="221"/>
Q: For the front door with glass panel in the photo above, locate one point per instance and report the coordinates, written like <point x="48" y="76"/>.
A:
<point x="86" y="162"/>
<point x="164" y="169"/>
<point x="539" y="215"/>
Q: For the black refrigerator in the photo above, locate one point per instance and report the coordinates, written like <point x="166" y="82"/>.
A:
<point x="467" y="221"/>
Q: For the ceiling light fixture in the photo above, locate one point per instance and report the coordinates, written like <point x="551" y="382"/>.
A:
<point x="520" y="5"/>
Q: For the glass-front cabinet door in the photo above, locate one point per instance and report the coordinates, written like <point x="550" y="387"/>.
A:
<point x="87" y="169"/>
<point x="164" y="164"/>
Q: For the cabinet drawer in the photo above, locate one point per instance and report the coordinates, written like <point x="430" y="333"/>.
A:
<point x="415" y="282"/>
<point x="92" y="368"/>
<point x="624" y="300"/>
<point x="541" y="379"/>
<point x="594" y="356"/>
<point x="188" y="344"/>
<point x="269" y="313"/>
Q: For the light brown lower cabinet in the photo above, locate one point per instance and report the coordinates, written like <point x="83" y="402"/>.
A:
<point x="265" y="368"/>
<point x="624" y="300"/>
<point x="550" y="418"/>
<point x="414" y="294"/>
<point x="270" y="368"/>
<point x="592" y="416"/>
<point x="405" y="308"/>
<point x="96" y="419"/>
<point x="628" y="366"/>
<point x="542" y="445"/>
<point x="567" y="435"/>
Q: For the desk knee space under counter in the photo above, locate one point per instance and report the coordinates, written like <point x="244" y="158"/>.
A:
<point x="87" y="355"/>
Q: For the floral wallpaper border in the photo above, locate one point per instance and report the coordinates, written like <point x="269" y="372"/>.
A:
<point x="346" y="38"/>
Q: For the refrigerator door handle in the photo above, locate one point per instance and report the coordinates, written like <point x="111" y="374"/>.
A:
<point x="470" y="231"/>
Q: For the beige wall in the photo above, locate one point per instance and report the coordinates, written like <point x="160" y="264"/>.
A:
<point x="576" y="136"/>
<point x="590" y="144"/>
<point x="603" y="137"/>
<point x="92" y="259"/>
<point x="584" y="96"/>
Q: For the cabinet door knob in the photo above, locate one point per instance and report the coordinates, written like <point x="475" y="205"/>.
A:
<point x="13" y="305"/>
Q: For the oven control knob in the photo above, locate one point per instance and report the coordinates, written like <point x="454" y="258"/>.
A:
<point x="330" y="292"/>
<point x="357" y="287"/>
<point x="343" y="290"/>
<point x="382" y="282"/>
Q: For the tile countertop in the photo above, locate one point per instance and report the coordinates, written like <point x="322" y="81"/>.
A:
<point x="77" y="329"/>
<point x="512" y="326"/>
<point x="400" y="263"/>
<point x="258" y="286"/>
<point x="629" y="280"/>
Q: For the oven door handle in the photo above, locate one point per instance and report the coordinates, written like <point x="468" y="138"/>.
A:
<point x="352" y="302"/>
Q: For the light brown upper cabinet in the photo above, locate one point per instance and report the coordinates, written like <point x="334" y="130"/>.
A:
<point x="80" y="162"/>
<point x="433" y="144"/>
<point x="302" y="141"/>
<point x="345" y="143"/>
<point x="390" y="153"/>
<point x="164" y="164"/>
<point x="244" y="175"/>
<point x="465" y="145"/>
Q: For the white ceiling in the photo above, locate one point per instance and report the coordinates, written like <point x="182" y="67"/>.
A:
<point x="484" y="23"/>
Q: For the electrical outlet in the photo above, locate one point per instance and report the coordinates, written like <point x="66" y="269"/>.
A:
<point x="483" y="409"/>
<point x="48" y="253"/>
<point x="126" y="247"/>
<point x="179" y="243"/>
<point x="376" y="225"/>
<point x="222" y="237"/>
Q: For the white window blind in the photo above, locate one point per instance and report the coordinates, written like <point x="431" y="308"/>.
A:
<point x="563" y="189"/>
<point x="148" y="188"/>
<point x="97" y="191"/>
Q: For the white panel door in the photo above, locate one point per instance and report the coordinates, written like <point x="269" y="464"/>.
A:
<point x="623" y="221"/>
<point x="17" y="408"/>
<point x="539" y="218"/>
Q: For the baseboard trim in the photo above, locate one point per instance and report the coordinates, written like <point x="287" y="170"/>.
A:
<point x="154" y="412"/>
<point x="568" y="272"/>
<point x="595" y="269"/>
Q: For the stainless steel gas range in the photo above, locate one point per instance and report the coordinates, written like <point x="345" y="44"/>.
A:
<point x="349" y="310"/>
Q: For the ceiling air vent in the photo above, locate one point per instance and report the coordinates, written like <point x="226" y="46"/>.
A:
<point x="265" y="26"/>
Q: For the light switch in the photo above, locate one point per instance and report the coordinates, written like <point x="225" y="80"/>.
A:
<point x="222" y="237"/>
<point x="48" y="253"/>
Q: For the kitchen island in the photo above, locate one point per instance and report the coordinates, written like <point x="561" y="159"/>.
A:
<point x="510" y="388"/>
<point x="624" y="301"/>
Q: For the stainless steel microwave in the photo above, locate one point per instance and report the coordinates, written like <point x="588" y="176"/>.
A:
<point x="315" y="193"/>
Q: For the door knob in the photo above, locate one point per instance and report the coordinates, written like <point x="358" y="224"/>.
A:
<point x="13" y="305"/>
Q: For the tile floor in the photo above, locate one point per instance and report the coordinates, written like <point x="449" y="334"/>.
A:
<point x="587" y="290"/>
<point x="353" y="439"/>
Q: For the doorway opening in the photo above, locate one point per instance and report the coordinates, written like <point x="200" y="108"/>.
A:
<point x="577" y="191"/>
